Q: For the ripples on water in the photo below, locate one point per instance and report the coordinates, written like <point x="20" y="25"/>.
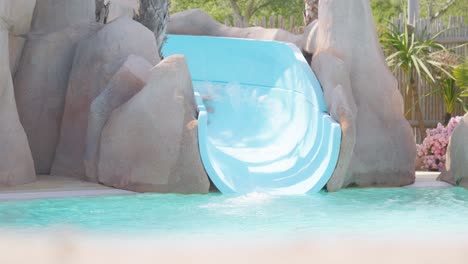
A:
<point x="357" y="211"/>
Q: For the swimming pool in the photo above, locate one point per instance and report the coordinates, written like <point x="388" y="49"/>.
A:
<point x="370" y="212"/>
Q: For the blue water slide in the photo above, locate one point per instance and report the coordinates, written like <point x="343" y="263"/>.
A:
<point x="263" y="124"/>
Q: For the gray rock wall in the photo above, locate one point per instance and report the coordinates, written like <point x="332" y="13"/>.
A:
<point x="97" y="59"/>
<point x="41" y="85"/>
<point x="378" y="147"/>
<point x="456" y="164"/>
<point x="150" y="144"/>
<point x="56" y="15"/>
<point x="125" y="83"/>
<point x="16" y="164"/>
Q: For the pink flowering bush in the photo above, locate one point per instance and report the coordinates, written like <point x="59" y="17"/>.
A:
<point x="434" y="146"/>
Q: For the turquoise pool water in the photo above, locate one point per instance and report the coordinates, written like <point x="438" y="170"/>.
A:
<point x="381" y="212"/>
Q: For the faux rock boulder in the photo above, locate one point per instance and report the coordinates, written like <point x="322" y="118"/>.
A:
<point x="120" y="8"/>
<point x="197" y="22"/>
<point x="125" y="83"/>
<point x="15" y="45"/>
<point x="150" y="144"/>
<point x="310" y="37"/>
<point x="17" y="15"/>
<point x="16" y="164"/>
<point x="378" y="147"/>
<point x="55" y="15"/>
<point x="456" y="164"/>
<point x="97" y="59"/>
<point x="334" y="76"/>
<point x="40" y="87"/>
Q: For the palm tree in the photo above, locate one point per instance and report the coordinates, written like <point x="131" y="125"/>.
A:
<point x="310" y="11"/>
<point x="102" y="10"/>
<point x="413" y="57"/>
<point x="461" y="77"/>
<point x="154" y="14"/>
<point x="448" y="86"/>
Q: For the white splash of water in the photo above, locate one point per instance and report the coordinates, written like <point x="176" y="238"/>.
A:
<point x="246" y="200"/>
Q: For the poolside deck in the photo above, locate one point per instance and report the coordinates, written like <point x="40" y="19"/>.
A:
<point x="48" y="186"/>
<point x="427" y="179"/>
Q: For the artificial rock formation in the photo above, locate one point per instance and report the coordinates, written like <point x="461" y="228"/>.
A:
<point x="40" y="87"/>
<point x="197" y="22"/>
<point x="41" y="79"/>
<point x="118" y="8"/>
<point x="55" y="15"/>
<point x="154" y="15"/>
<point x="97" y="59"/>
<point x="16" y="15"/>
<point x="310" y="38"/>
<point x="125" y="83"/>
<point x="334" y="76"/>
<point x="149" y="144"/>
<point x="378" y="147"/>
<point x="15" y="45"/>
<point x="456" y="164"/>
<point x="16" y="164"/>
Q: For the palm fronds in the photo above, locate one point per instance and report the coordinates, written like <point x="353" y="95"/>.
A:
<point x="461" y="77"/>
<point x="409" y="53"/>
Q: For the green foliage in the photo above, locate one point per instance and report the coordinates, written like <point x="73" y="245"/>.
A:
<point x="385" y="10"/>
<point x="410" y="53"/>
<point x="218" y="9"/>
<point x="461" y="77"/>
<point x="459" y="8"/>
<point x="452" y="95"/>
<point x="430" y="61"/>
<point x="221" y="9"/>
<point x="452" y="87"/>
<point x="285" y="8"/>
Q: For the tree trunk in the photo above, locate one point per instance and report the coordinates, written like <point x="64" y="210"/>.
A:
<point x="412" y="90"/>
<point x="154" y="14"/>
<point x="102" y="11"/>
<point x="239" y="19"/>
<point x="429" y="8"/>
<point x="249" y="12"/>
<point x="310" y="11"/>
<point x="417" y="107"/>
<point x="443" y="9"/>
<point x="447" y="118"/>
